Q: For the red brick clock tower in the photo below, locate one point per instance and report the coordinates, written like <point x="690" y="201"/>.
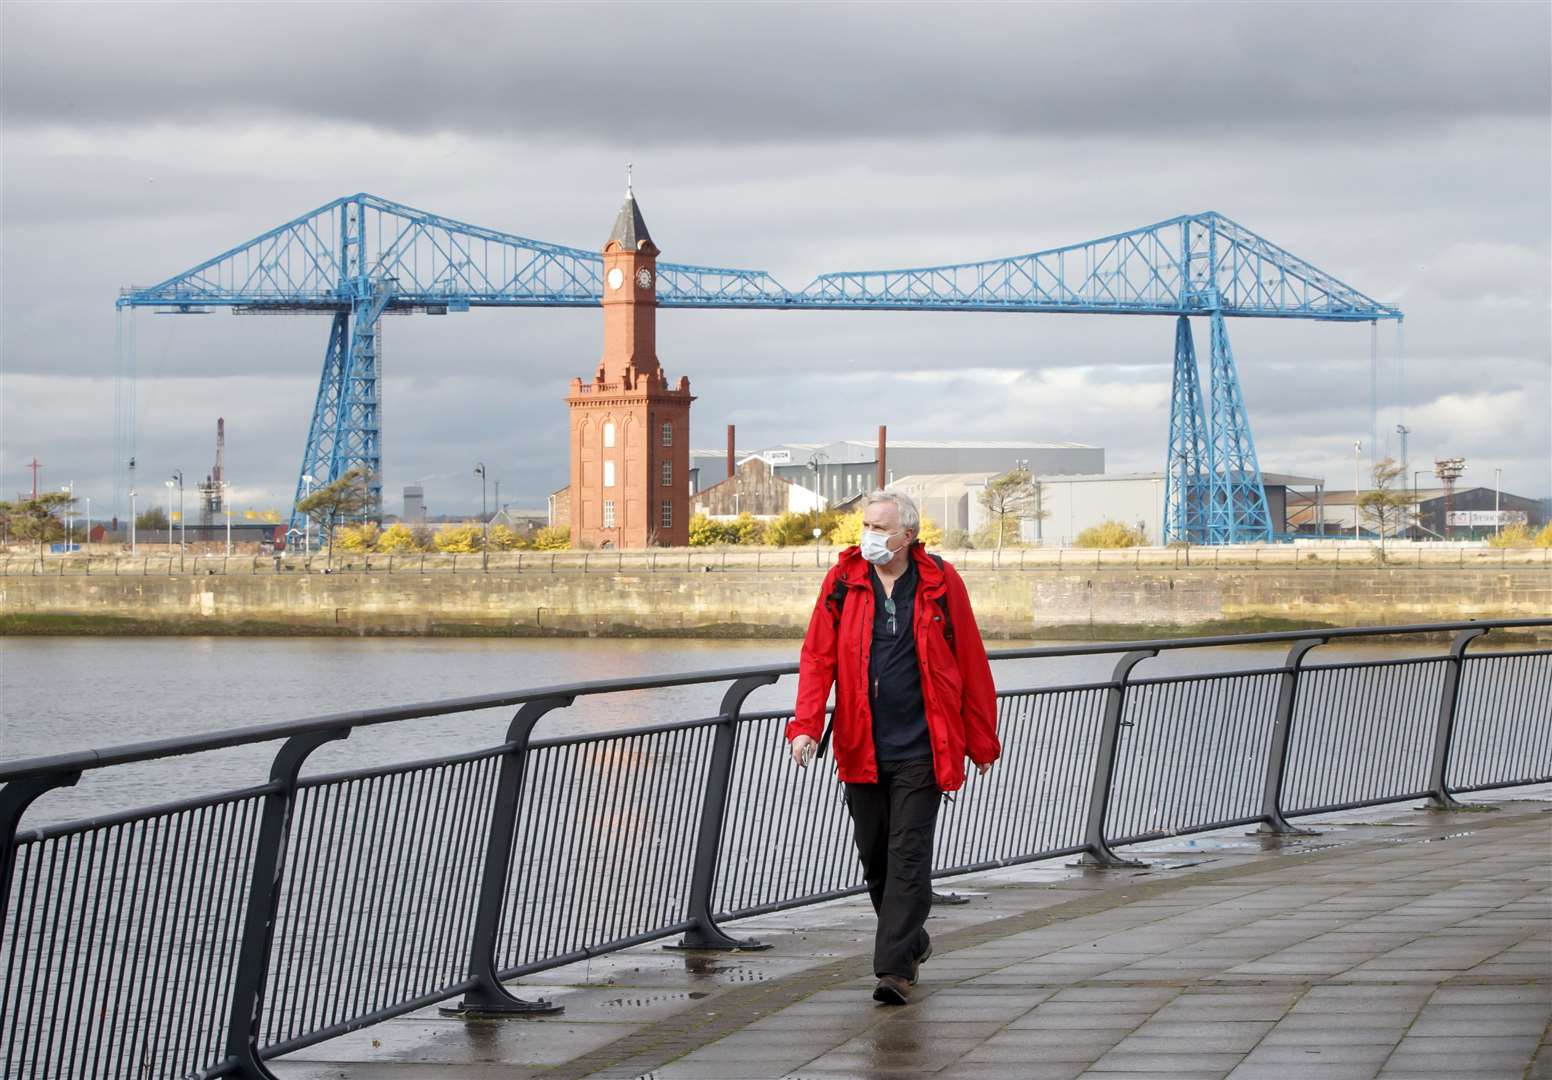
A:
<point x="630" y="431"/>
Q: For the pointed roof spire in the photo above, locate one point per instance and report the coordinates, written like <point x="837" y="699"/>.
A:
<point x="630" y="229"/>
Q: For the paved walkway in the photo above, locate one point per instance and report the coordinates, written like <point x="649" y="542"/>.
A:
<point x="1397" y="943"/>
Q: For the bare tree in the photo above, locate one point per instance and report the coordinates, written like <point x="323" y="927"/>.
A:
<point x="1387" y="509"/>
<point x="1010" y="498"/>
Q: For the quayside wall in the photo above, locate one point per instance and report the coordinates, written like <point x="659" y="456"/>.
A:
<point x="1010" y="603"/>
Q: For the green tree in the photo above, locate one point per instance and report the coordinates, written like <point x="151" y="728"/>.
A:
<point x="460" y="539"/>
<point x="154" y="519"/>
<point x="1389" y="510"/>
<point x="1109" y="534"/>
<point x="704" y="532"/>
<point x="7" y="513"/>
<point x="335" y="503"/>
<point x="1009" y="498"/>
<point x="744" y="529"/>
<point x="398" y="538"/>
<point x="847" y="530"/>
<point x="505" y="538"/>
<point x="360" y="538"/>
<point x="552" y="538"/>
<point x="1544" y="537"/>
<point x="1513" y="536"/>
<point x="38" y="519"/>
<point x="791" y="529"/>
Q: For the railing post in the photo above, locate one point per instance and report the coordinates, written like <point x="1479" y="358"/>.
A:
<point x="489" y="997"/>
<point x="1097" y="852"/>
<point x="15" y="797"/>
<point x="1272" y="820"/>
<point x="705" y="934"/>
<point x="242" y="1032"/>
<point x="1439" y="797"/>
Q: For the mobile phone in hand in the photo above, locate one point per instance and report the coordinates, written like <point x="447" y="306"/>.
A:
<point x="808" y="752"/>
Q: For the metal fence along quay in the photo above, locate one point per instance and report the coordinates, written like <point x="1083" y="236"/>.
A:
<point x="203" y="937"/>
<point x="1328" y="556"/>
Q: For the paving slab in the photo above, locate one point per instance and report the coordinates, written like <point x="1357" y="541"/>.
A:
<point x="1397" y="942"/>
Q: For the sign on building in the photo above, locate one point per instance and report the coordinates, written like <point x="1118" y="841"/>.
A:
<point x="777" y="457"/>
<point x="1465" y="519"/>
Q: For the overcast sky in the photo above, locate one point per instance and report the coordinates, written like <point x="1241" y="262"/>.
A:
<point x="1403" y="148"/>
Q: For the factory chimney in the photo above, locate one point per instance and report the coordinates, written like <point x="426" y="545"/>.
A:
<point x="731" y="453"/>
<point x="883" y="473"/>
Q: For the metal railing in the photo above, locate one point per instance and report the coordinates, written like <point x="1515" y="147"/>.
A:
<point x="1328" y="556"/>
<point x="202" y="937"/>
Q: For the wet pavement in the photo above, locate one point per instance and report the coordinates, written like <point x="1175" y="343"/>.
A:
<point x="1396" y="943"/>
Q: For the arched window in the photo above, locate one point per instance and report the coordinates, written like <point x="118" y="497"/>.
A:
<point x="668" y="434"/>
<point x="608" y="433"/>
<point x="608" y="473"/>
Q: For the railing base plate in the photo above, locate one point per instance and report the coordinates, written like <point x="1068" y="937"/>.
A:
<point x="1089" y="862"/>
<point x="1455" y="806"/>
<point x="726" y="944"/>
<point x="494" y="1010"/>
<point x="1269" y="831"/>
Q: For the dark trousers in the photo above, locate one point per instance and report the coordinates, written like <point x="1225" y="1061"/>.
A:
<point x="893" y="821"/>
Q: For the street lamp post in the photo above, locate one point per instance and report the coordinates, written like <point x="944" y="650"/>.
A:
<point x="1497" y="496"/>
<point x="307" y="519"/>
<point x="226" y="501"/>
<point x="479" y="470"/>
<point x="183" y="526"/>
<point x="1357" y="483"/>
<point x="132" y="547"/>
<point x="88" y="519"/>
<point x="168" y="484"/>
<point x="69" y="489"/>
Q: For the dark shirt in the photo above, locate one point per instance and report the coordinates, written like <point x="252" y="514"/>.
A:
<point x="899" y="717"/>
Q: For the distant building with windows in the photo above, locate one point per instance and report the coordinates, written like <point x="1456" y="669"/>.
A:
<point x="840" y="471"/>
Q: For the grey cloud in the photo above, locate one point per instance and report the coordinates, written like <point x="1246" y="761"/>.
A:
<point x="642" y="74"/>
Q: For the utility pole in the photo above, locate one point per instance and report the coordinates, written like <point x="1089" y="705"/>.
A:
<point x="1357" y="483"/>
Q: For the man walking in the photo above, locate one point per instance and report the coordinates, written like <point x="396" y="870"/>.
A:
<point x="894" y="634"/>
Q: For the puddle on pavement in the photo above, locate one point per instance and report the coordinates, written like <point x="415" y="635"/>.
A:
<point x="644" y="1001"/>
<point x="719" y="967"/>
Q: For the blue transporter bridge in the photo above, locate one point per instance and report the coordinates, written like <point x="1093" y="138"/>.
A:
<point x="362" y="256"/>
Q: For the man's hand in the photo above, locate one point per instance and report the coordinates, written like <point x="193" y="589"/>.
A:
<point x="802" y="748"/>
<point x="983" y="769"/>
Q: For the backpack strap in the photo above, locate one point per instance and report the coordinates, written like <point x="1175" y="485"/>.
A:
<point x="948" y="624"/>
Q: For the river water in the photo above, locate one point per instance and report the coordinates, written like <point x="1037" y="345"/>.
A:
<point x="64" y="694"/>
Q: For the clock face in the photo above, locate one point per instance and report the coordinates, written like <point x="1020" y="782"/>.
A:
<point x="644" y="278"/>
<point x="616" y="278"/>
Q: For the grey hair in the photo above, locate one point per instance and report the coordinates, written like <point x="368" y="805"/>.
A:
<point x="910" y="517"/>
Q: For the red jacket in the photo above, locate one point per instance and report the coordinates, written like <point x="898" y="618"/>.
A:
<point x="957" y="690"/>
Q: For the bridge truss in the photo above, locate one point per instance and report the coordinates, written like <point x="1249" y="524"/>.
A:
<point x="362" y="256"/>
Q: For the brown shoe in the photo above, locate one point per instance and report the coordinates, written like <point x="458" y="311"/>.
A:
<point x="892" y="990"/>
<point x="919" y="961"/>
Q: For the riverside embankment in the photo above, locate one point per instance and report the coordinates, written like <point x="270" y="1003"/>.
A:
<point x="746" y="594"/>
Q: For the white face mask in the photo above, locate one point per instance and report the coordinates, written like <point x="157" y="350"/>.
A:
<point x="875" y="547"/>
